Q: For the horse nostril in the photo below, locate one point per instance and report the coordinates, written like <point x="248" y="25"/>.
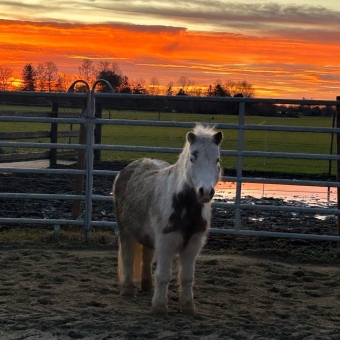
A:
<point x="206" y="194"/>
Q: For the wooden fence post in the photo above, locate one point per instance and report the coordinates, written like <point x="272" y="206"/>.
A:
<point x="97" y="131"/>
<point x="79" y="179"/>
<point x="338" y="162"/>
<point x="54" y="135"/>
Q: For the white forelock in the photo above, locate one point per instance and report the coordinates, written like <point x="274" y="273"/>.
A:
<point x="204" y="131"/>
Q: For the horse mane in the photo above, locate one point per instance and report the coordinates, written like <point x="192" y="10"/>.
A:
<point x="204" y="131"/>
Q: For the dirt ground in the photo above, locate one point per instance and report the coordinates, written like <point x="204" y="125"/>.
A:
<point x="62" y="292"/>
<point x="245" y="288"/>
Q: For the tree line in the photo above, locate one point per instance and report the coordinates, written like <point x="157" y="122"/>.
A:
<point x="47" y="78"/>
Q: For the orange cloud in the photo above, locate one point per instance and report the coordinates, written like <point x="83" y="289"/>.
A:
<point x="276" y="67"/>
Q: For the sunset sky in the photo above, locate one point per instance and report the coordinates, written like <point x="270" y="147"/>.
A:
<point x="284" y="49"/>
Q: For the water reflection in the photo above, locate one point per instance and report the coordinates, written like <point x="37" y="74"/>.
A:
<point x="316" y="196"/>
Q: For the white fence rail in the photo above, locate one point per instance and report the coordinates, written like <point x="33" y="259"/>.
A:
<point x="89" y="120"/>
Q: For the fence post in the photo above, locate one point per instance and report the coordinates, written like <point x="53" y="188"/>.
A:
<point x="97" y="131"/>
<point x="79" y="180"/>
<point x="239" y="169"/>
<point x="331" y="146"/>
<point x="338" y="163"/>
<point x="89" y="163"/>
<point x="54" y="135"/>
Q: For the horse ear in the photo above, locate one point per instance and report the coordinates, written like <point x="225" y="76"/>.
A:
<point x="191" y="137"/>
<point x="218" y="137"/>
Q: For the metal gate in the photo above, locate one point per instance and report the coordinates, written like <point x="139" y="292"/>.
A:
<point x="89" y="120"/>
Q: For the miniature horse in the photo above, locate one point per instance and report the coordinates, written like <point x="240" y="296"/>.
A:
<point x="166" y="209"/>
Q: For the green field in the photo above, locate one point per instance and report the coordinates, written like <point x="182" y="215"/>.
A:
<point x="316" y="143"/>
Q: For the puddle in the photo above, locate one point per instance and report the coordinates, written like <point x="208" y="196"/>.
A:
<point x="306" y="195"/>
<point x="321" y="217"/>
<point x="256" y="219"/>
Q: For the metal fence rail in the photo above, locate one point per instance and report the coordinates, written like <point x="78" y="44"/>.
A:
<point x="89" y="120"/>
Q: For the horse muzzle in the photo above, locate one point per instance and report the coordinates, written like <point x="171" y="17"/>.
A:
<point x="204" y="195"/>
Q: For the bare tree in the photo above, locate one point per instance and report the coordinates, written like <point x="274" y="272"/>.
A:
<point x="87" y="71"/>
<point x="124" y="87"/>
<point x="154" y="86"/>
<point x="185" y="84"/>
<point x="63" y="83"/>
<point x="241" y="88"/>
<point x="196" y="91"/>
<point x="231" y="88"/>
<point x="138" y="86"/>
<point x="40" y="77"/>
<point x="47" y="76"/>
<point x="108" y="66"/>
<point x="169" y="89"/>
<point x="111" y="73"/>
<point x="246" y="89"/>
<point x="6" y="78"/>
<point x="104" y="66"/>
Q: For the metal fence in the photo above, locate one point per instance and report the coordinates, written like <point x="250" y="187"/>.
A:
<point x="89" y="120"/>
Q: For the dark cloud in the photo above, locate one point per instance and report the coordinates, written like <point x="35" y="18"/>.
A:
<point x="226" y="13"/>
<point x="115" y="25"/>
<point x="269" y="19"/>
<point x="220" y="13"/>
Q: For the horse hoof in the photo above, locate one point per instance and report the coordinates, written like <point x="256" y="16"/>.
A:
<point x="188" y="309"/>
<point x="127" y="291"/>
<point x="161" y="311"/>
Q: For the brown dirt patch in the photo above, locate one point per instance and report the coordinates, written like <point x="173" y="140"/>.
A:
<point x="52" y="292"/>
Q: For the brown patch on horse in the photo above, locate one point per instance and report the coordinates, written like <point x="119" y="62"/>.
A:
<point x="151" y="173"/>
<point x="146" y="241"/>
<point x="187" y="216"/>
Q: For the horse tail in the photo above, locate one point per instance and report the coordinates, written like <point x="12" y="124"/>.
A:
<point x="137" y="262"/>
<point x="120" y="262"/>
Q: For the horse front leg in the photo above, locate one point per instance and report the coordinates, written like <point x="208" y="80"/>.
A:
<point x="162" y="279"/>
<point x="187" y="259"/>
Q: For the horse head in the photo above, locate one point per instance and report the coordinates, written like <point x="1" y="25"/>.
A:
<point x="203" y="170"/>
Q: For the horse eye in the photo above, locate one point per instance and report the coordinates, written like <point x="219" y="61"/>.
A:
<point x="193" y="156"/>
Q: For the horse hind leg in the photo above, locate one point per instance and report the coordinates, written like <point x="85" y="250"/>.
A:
<point x="126" y="261"/>
<point x="146" y="275"/>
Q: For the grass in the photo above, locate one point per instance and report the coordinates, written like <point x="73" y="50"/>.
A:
<point x="298" y="142"/>
<point x="317" y="143"/>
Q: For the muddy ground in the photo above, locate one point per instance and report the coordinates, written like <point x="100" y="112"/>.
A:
<point x="245" y="287"/>
<point x="52" y="292"/>
<point x="278" y="221"/>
